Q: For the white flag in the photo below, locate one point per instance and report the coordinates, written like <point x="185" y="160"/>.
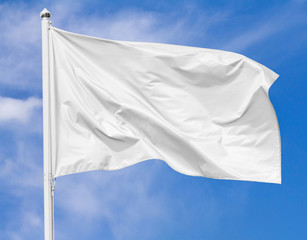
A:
<point x="204" y="112"/>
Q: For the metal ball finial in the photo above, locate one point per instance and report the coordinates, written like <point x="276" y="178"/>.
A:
<point x="45" y="14"/>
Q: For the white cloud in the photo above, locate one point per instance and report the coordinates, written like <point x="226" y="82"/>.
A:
<point x="18" y="110"/>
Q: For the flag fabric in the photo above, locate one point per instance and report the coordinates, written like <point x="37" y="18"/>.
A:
<point x="204" y="112"/>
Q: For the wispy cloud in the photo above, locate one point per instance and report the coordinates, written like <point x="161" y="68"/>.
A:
<point x="288" y="16"/>
<point x="18" y="110"/>
<point x="179" y="27"/>
<point x="22" y="191"/>
<point x="121" y="201"/>
<point x="20" y="48"/>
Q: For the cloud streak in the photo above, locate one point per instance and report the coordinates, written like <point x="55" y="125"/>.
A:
<point x="282" y="19"/>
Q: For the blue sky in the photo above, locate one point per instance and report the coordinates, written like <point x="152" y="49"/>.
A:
<point x="150" y="200"/>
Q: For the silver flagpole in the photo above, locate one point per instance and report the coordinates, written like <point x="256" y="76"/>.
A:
<point x="48" y="179"/>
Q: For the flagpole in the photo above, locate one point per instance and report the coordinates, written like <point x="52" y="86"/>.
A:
<point x="48" y="179"/>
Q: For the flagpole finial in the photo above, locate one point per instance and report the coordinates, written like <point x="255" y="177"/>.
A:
<point x="45" y="14"/>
